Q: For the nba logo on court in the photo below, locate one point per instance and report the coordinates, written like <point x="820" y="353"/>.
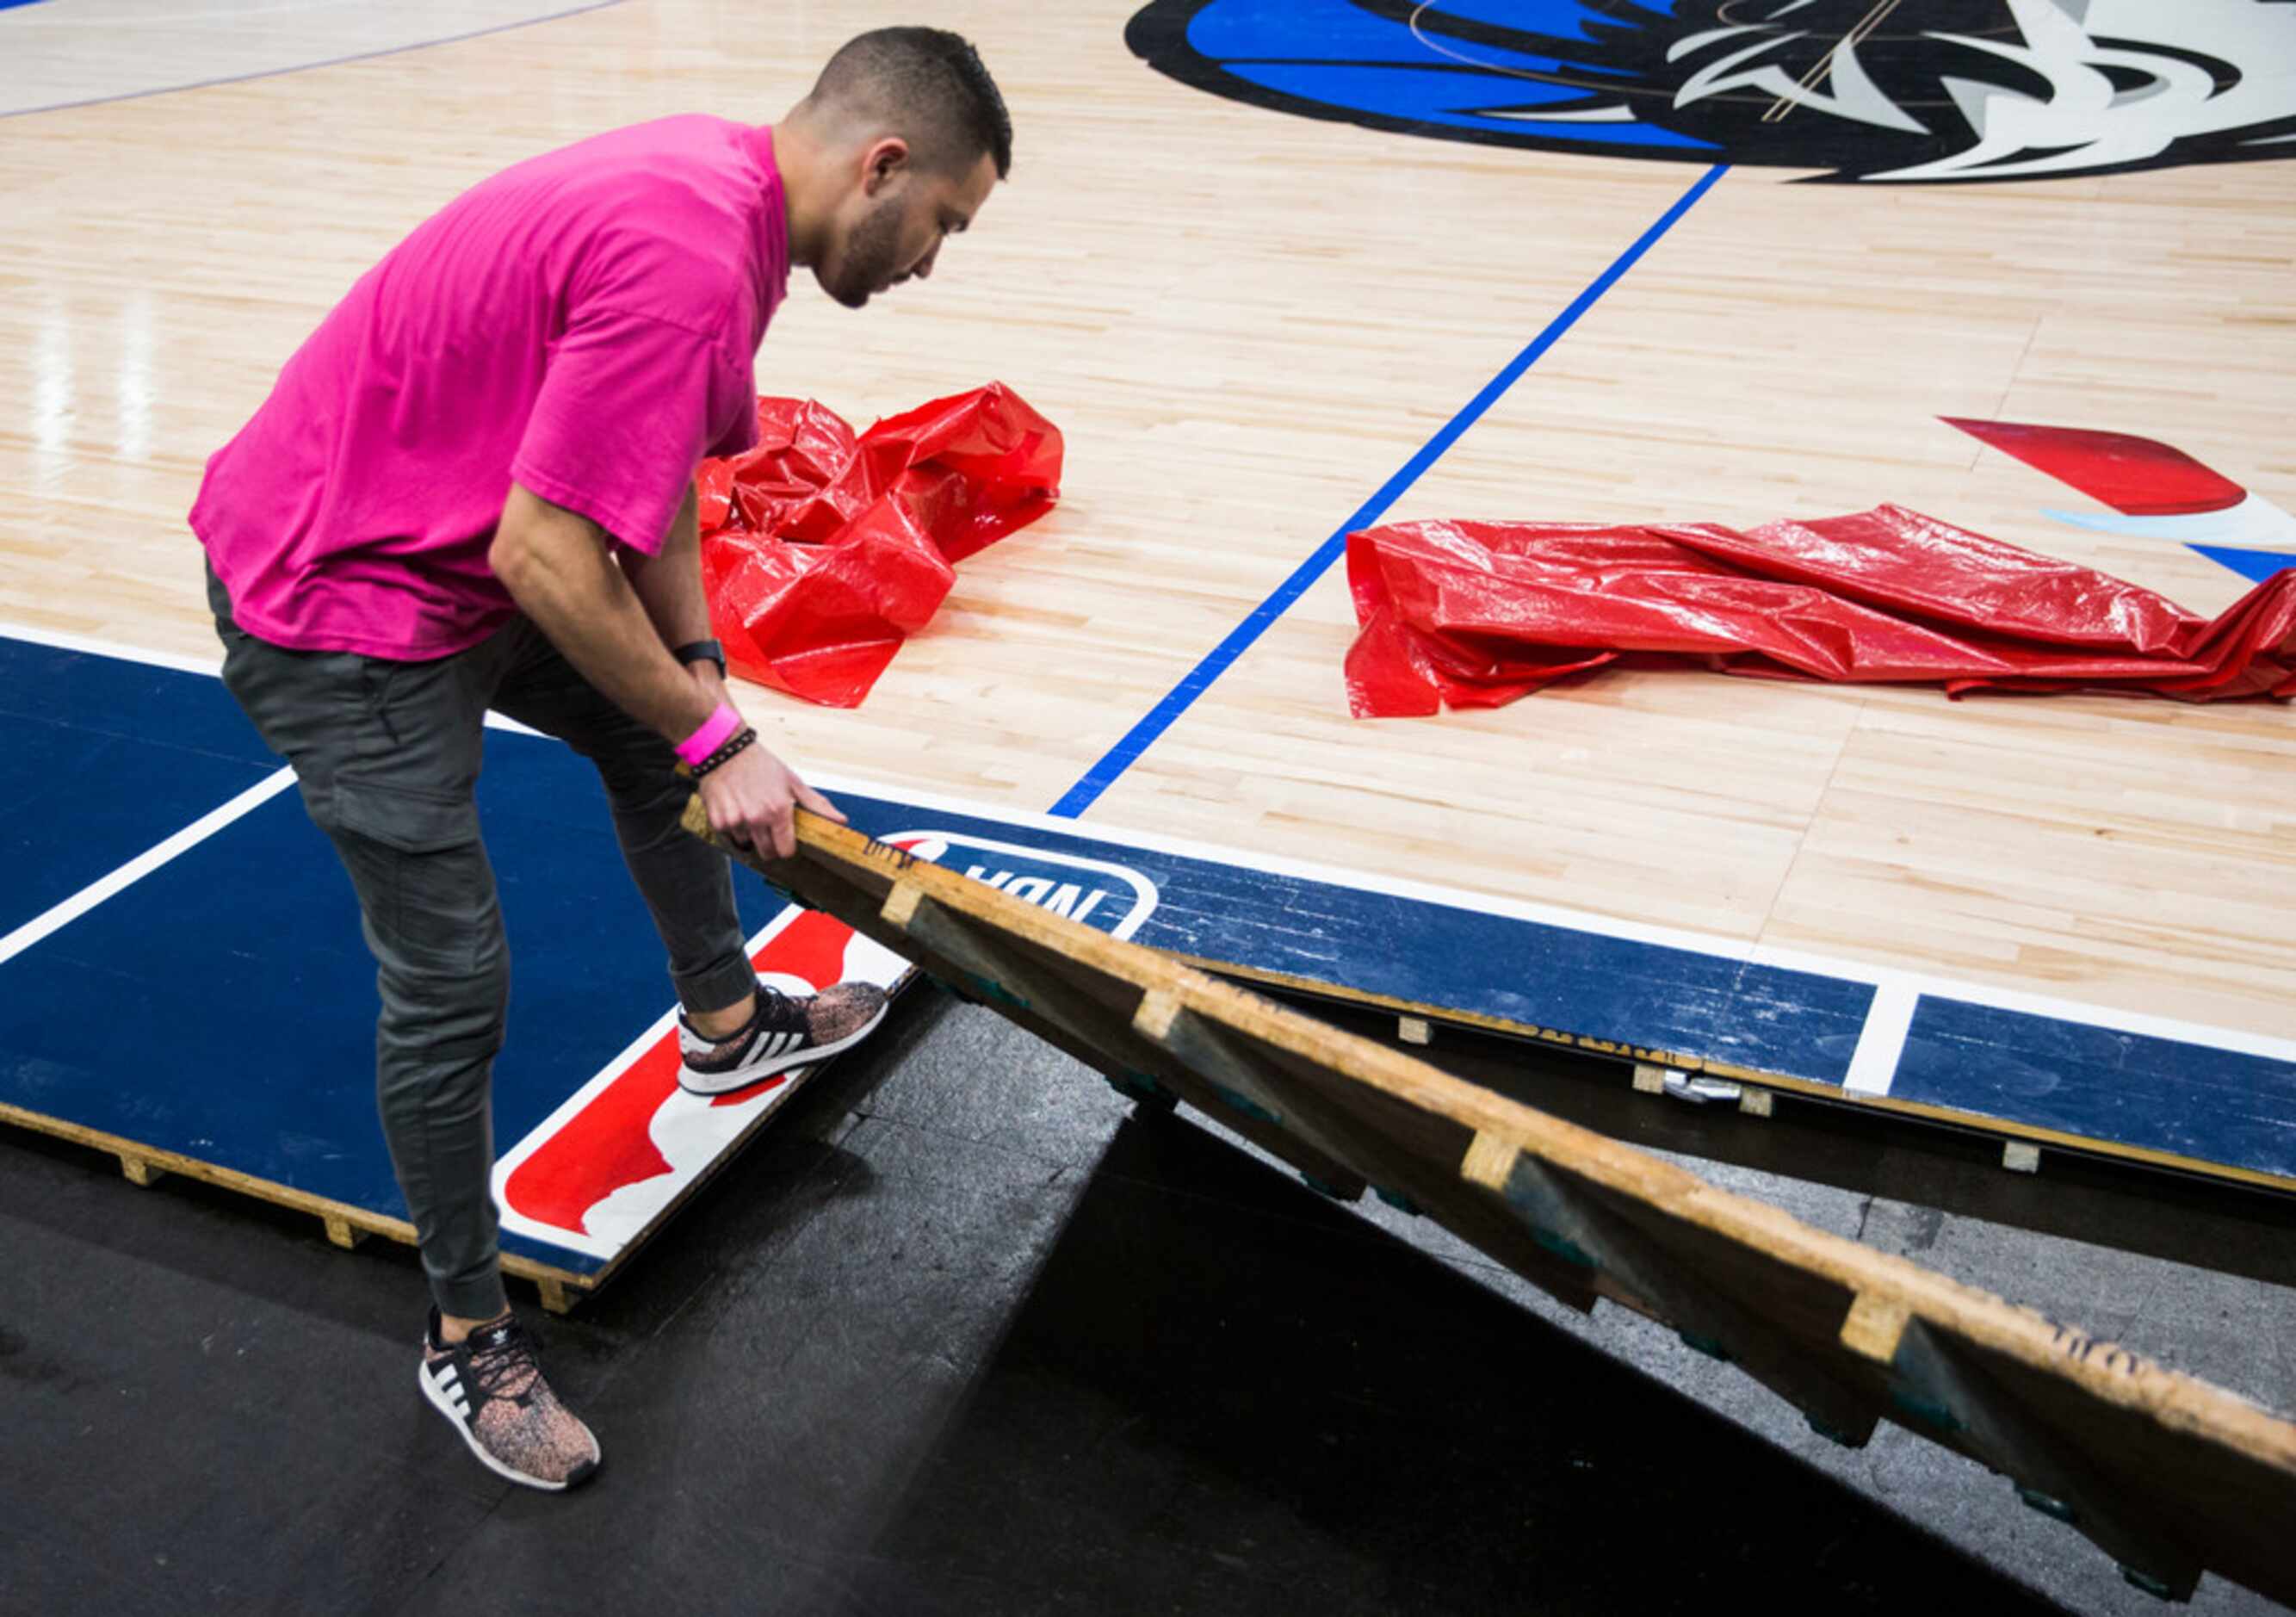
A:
<point x="596" y="1173"/>
<point x="1112" y="897"/>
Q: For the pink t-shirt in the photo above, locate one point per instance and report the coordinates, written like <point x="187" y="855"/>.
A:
<point x="586" y="323"/>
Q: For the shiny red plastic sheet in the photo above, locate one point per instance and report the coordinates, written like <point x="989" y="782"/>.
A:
<point x="1476" y="614"/>
<point x="823" y="550"/>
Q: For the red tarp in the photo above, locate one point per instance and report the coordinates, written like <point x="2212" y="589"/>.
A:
<point x="1475" y="614"/>
<point x="822" y="552"/>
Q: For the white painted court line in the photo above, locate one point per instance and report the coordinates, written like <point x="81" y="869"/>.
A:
<point x="144" y="864"/>
<point x="211" y="667"/>
<point x="1874" y="1067"/>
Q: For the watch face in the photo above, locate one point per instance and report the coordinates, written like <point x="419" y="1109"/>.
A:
<point x="1945" y="90"/>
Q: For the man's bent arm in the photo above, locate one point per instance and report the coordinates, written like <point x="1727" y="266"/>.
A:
<point x="559" y="568"/>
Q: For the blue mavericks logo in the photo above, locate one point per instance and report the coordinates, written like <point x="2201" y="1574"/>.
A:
<point x="1858" y="90"/>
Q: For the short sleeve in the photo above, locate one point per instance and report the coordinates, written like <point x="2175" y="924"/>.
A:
<point x="629" y="406"/>
<point x="736" y="410"/>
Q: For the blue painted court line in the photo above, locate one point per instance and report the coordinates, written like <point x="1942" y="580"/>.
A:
<point x="1160" y="719"/>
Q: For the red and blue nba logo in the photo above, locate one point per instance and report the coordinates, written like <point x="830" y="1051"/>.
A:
<point x="600" y="1171"/>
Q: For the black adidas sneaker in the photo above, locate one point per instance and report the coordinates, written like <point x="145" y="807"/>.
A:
<point x="783" y="1032"/>
<point x="490" y="1385"/>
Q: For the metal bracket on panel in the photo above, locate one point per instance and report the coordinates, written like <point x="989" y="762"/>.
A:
<point x="1703" y="1091"/>
<point x="1698" y="1089"/>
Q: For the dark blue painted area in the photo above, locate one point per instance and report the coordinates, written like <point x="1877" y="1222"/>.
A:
<point x="1674" y="1000"/>
<point x="1088" y="786"/>
<point x="75" y="805"/>
<point x="148" y="705"/>
<point x="224" y="1007"/>
<point x="2256" y="564"/>
<point x="99" y="758"/>
<point x="10" y="5"/>
<point x="2154" y="1094"/>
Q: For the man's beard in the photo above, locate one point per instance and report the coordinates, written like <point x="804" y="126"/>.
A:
<point x="872" y="257"/>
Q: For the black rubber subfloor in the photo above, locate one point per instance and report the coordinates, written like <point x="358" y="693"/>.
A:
<point x="956" y="1335"/>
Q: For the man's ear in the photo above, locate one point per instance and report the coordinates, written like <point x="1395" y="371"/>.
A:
<point x="884" y="159"/>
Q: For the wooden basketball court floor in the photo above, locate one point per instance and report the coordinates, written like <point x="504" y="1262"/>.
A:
<point x="1257" y="330"/>
<point x="1246" y="324"/>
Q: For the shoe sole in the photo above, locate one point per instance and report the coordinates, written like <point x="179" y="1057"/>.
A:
<point x="742" y="1078"/>
<point x="437" y="1400"/>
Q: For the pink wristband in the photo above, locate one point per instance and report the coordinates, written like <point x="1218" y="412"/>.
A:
<point x="715" y="732"/>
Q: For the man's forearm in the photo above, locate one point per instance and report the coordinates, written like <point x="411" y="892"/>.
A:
<point x="669" y="584"/>
<point x="560" y="570"/>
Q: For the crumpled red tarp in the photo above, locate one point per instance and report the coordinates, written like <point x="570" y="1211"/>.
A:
<point x="821" y="551"/>
<point x="1476" y="614"/>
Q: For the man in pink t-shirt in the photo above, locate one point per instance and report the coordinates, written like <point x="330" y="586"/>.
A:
<point x="473" y="488"/>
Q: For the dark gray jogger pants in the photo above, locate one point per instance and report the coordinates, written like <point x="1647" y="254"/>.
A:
<point x="387" y="755"/>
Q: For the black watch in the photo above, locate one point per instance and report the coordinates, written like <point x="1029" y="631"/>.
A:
<point x="700" y="650"/>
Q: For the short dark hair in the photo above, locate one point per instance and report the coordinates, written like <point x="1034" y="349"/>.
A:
<point x="930" y="83"/>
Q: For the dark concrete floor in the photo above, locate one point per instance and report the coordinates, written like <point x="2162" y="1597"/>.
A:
<point x="957" y="1335"/>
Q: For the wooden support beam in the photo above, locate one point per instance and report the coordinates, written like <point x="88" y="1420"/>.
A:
<point x="1000" y="972"/>
<point x="1577" y="1221"/>
<point x="1248" y="1087"/>
<point x="140" y="1169"/>
<point x="1940" y="1382"/>
<point x="342" y="1232"/>
<point x="1413" y="1180"/>
<point x="1095" y="1030"/>
<point x="1874" y="1325"/>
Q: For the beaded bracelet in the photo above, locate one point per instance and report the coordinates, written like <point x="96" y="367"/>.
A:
<point x="725" y="752"/>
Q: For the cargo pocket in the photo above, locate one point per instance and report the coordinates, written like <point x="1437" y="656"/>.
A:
<point x="422" y="875"/>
